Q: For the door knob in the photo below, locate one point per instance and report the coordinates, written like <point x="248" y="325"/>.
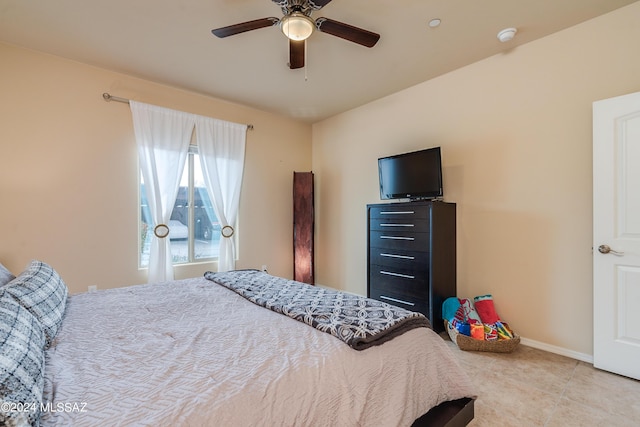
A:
<point x="605" y="249"/>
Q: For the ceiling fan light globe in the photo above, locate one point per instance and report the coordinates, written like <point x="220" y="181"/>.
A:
<point x="297" y="26"/>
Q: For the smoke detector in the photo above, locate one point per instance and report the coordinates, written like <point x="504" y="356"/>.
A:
<point x="507" y="34"/>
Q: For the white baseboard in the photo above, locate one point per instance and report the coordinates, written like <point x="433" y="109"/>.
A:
<point x="588" y="358"/>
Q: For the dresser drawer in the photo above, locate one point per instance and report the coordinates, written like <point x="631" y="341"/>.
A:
<point x="399" y="258"/>
<point x="414" y="225"/>
<point x="399" y="212"/>
<point x="405" y="281"/>
<point x="395" y="298"/>
<point x="403" y="240"/>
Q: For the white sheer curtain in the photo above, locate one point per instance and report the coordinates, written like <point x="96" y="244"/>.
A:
<point x="221" y="146"/>
<point x="162" y="137"/>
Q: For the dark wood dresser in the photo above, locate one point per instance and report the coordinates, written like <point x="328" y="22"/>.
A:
<point x="412" y="255"/>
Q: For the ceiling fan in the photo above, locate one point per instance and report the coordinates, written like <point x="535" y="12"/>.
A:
<point x="298" y="25"/>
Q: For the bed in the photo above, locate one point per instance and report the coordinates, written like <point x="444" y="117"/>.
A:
<point x="196" y="353"/>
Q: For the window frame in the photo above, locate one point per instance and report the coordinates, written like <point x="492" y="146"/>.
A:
<point x="191" y="214"/>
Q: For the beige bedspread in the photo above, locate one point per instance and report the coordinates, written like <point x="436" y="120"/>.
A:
<point x="193" y="353"/>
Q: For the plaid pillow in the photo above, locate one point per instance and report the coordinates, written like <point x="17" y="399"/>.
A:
<point x="21" y="364"/>
<point x="40" y="290"/>
<point x="5" y="275"/>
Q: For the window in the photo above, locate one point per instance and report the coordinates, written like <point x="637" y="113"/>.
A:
<point x="194" y="227"/>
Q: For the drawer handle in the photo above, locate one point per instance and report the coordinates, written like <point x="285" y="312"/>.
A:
<point x="397" y="213"/>
<point x="397" y="238"/>
<point x="396" y="300"/>
<point x="398" y="256"/>
<point x="397" y="225"/>
<point x="389" y="273"/>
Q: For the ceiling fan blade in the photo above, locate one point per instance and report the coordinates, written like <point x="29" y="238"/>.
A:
<point x="347" y="32"/>
<point x="296" y="54"/>
<point x="245" y="26"/>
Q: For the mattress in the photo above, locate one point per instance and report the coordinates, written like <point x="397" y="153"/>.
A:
<point x="193" y="353"/>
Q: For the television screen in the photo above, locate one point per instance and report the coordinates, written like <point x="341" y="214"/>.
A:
<point x="415" y="175"/>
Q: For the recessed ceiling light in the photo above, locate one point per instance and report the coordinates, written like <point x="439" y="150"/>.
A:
<point x="434" y="23"/>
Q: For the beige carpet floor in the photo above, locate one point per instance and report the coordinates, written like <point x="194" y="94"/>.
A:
<point x="531" y="387"/>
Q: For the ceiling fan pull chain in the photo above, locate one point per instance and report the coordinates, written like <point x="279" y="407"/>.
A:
<point x="305" y="61"/>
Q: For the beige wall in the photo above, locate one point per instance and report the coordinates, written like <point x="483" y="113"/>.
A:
<point x="68" y="171"/>
<point x="515" y="131"/>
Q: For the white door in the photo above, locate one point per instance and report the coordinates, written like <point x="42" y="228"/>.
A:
<point x="616" y="235"/>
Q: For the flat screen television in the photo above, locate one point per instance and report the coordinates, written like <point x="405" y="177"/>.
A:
<point x="416" y="175"/>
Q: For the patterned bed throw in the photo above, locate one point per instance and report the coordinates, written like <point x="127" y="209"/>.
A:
<point x="358" y="321"/>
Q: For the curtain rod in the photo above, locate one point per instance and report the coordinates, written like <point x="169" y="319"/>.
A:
<point x="108" y="97"/>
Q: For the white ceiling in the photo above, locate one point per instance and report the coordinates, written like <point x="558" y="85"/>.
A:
<point x="170" y="41"/>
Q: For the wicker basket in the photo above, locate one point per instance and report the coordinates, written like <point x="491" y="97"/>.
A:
<point x="471" y="344"/>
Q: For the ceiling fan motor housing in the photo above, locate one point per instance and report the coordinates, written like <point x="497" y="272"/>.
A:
<point x="306" y="7"/>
